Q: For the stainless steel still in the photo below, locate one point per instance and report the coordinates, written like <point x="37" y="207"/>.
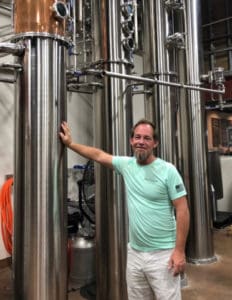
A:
<point x="40" y="245"/>
<point x="40" y="221"/>
<point x="180" y="123"/>
<point x="40" y="266"/>
<point x="40" y="167"/>
<point x="200" y="246"/>
<point x="82" y="261"/>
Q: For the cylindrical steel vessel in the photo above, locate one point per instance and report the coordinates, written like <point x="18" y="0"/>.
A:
<point x="149" y="58"/>
<point x="82" y="261"/>
<point x="160" y="108"/>
<point x="164" y="97"/>
<point x="112" y="120"/>
<point x="40" y="226"/>
<point x="200" y="245"/>
<point x="187" y="111"/>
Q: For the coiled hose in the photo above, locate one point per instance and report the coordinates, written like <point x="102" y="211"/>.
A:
<point x="6" y="214"/>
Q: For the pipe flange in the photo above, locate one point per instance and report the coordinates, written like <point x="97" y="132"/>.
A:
<point x="60" y="10"/>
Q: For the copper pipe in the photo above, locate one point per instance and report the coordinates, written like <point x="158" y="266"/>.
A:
<point x="37" y="16"/>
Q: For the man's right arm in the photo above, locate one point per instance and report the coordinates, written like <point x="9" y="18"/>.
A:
<point x="88" y="152"/>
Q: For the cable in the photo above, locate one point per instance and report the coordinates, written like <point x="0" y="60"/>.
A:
<point x="84" y="184"/>
<point x="6" y="214"/>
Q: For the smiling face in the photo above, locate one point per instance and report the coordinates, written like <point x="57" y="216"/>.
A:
<point x="143" y="143"/>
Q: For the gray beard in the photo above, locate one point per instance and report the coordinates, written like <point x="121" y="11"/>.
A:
<point x="141" y="156"/>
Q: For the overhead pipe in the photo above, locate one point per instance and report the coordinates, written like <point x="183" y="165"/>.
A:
<point x="142" y="79"/>
<point x="216" y="22"/>
<point x="40" y="220"/>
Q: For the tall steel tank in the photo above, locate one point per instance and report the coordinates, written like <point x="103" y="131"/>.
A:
<point x="40" y="222"/>
<point x="172" y="36"/>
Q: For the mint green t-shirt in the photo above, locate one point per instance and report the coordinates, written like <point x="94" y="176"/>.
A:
<point x="150" y="190"/>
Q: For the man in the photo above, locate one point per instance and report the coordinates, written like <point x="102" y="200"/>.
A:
<point x="158" y="214"/>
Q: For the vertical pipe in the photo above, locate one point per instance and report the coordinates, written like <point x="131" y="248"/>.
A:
<point x="110" y="134"/>
<point x="102" y="140"/>
<point x="40" y="221"/>
<point x="149" y="56"/>
<point x="200" y="246"/>
<point x="76" y="20"/>
<point x="163" y="103"/>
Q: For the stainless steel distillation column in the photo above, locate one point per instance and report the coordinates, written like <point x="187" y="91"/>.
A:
<point x="200" y="246"/>
<point x="149" y="57"/>
<point x="111" y="134"/>
<point x="183" y="60"/>
<point x="158" y="63"/>
<point x="40" y="231"/>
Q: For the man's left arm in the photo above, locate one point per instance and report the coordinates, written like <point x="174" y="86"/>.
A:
<point x="177" y="260"/>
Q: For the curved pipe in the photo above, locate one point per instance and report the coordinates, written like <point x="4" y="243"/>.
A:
<point x="12" y="48"/>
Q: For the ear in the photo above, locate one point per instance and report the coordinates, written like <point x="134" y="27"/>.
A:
<point x="156" y="143"/>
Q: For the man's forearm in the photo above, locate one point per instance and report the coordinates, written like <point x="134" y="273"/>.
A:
<point x="177" y="260"/>
<point x="182" y="228"/>
<point x="92" y="153"/>
<point x="85" y="151"/>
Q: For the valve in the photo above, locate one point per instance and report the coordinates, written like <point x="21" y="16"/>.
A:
<point x="128" y="44"/>
<point x="218" y="75"/>
<point x="176" y="40"/>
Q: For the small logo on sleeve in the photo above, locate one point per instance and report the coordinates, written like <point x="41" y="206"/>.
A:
<point x="179" y="188"/>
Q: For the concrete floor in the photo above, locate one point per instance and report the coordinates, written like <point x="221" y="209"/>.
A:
<point x="211" y="281"/>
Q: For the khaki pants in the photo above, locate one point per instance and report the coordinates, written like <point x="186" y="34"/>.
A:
<point x="148" y="276"/>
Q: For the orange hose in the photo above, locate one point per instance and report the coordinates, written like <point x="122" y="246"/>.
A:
<point x="6" y="214"/>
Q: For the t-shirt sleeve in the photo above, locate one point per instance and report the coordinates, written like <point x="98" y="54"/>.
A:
<point x="176" y="187"/>
<point x="119" y="163"/>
